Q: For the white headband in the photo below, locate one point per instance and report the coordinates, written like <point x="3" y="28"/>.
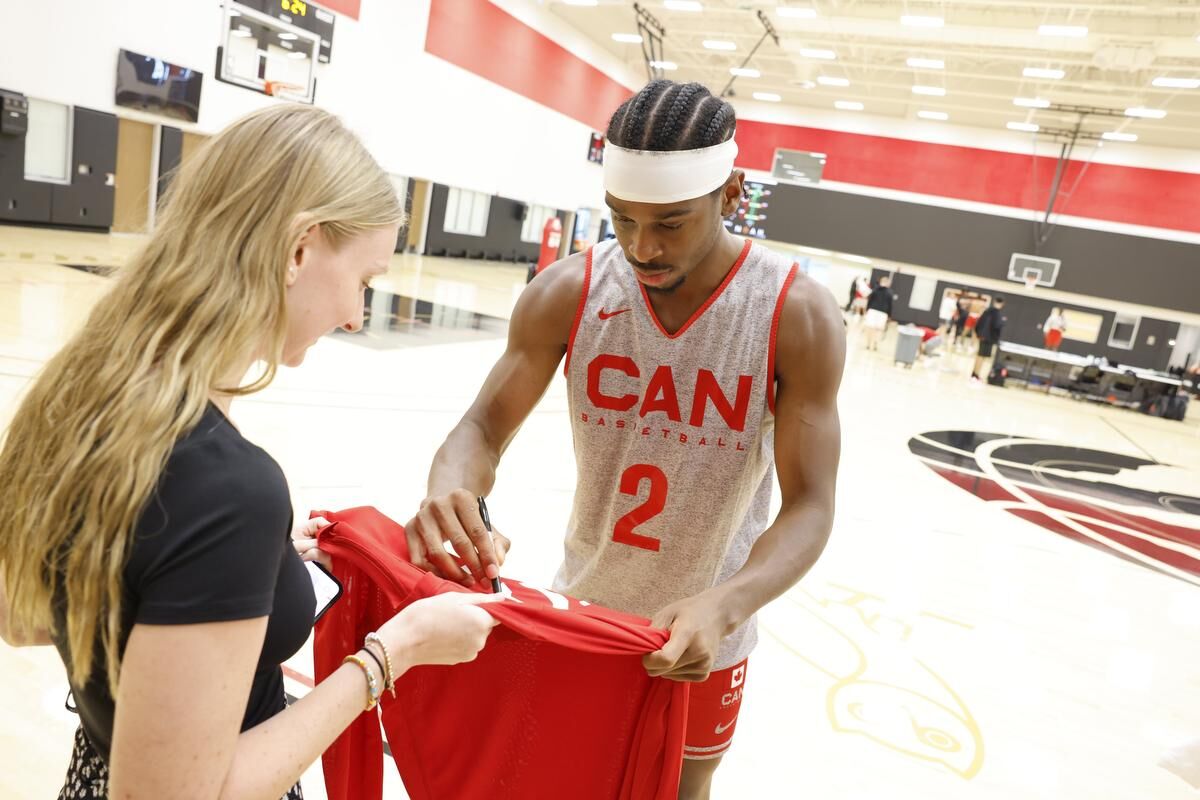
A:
<point x="653" y="176"/>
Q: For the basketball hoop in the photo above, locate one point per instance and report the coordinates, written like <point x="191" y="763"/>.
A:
<point x="1031" y="282"/>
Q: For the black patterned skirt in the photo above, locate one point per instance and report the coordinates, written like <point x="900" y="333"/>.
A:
<point x="87" y="777"/>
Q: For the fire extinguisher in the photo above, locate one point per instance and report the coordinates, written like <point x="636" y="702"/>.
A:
<point x="551" y="239"/>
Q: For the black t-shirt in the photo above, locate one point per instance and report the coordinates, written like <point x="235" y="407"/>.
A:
<point x="990" y="325"/>
<point x="881" y="300"/>
<point x="211" y="546"/>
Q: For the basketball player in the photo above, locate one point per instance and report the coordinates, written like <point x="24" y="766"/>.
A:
<point x="1053" y="328"/>
<point x="697" y="364"/>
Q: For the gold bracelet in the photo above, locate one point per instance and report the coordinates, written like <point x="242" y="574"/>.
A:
<point x="372" y="684"/>
<point x="389" y="679"/>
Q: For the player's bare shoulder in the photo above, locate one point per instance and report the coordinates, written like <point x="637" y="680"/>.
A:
<point x="548" y="304"/>
<point x="811" y="328"/>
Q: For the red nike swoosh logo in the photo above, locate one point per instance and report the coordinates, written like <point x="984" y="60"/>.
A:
<point x="606" y="315"/>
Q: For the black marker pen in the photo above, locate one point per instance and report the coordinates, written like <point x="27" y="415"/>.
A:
<point x="487" y="523"/>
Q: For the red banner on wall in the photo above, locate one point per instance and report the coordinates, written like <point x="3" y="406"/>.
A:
<point x="348" y="7"/>
<point x="484" y="39"/>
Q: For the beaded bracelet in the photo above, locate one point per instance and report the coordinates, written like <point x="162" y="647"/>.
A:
<point x="389" y="678"/>
<point x="372" y="684"/>
<point x="378" y="663"/>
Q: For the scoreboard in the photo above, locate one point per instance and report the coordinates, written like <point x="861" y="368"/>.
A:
<point x="304" y="15"/>
<point x="750" y="218"/>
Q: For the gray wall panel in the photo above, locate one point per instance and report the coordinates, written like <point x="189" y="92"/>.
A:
<point x="1134" y="269"/>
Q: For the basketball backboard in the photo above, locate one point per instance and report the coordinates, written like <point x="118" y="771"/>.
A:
<point x="1037" y="270"/>
<point x="266" y="54"/>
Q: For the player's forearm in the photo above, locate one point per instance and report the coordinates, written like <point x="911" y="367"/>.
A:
<point x="779" y="559"/>
<point x="271" y="756"/>
<point x="466" y="460"/>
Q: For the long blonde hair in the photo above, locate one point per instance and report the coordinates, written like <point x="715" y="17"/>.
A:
<point x="89" y="442"/>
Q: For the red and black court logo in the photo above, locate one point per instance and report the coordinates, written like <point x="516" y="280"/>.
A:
<point x="1132" y="507"/>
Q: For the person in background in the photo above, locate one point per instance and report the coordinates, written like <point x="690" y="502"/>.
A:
<point x="946" y="312"/>
<point x="962" y="310"/>
<point x="969" y="331"/>
<point x="879" y="311"/>
<point x="1052" y="329"/>
<point x="861" y="289"/>
<point x="988" y="329"/>
<point x="931" y="340"/>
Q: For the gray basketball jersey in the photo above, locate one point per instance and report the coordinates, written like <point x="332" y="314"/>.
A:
<point x="674" y="437"/>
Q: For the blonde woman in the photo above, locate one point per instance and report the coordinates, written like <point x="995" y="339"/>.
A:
<point x="145" y="538"/>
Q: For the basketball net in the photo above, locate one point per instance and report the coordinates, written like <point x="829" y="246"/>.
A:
<point x="1031" y="282"/>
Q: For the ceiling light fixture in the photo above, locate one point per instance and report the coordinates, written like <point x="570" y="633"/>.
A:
<point x="1070" y="31"/>
<point x="1177" y="83"/>
<point x="796" y="12"/>
<point x="917" y="21"/>
<point x="1145" y="113"/>
<point x="1042" y="72"/>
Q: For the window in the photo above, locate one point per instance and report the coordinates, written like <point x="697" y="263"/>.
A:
<point x="1082" y="326"/>
<point x="921" y="297"/>
<point x="467" y="212"/>
<point x="48" y="142"/>
<point x="1123" y="333"/>
<point x="535" y="220"/>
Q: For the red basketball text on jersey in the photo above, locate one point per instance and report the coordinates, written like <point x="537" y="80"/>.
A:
<point x="660" y="393"/>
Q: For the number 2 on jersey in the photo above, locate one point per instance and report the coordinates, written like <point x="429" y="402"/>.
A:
<point x="631" y="482"/>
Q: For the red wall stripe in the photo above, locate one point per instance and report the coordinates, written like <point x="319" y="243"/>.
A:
<point x="350" y="8"/>
<point x="484" y="39"/>
<point x="1158" y="198"/>
<point x="487" y="41"/>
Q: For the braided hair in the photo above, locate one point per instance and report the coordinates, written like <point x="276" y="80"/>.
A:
<point x="666" y="115"/>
